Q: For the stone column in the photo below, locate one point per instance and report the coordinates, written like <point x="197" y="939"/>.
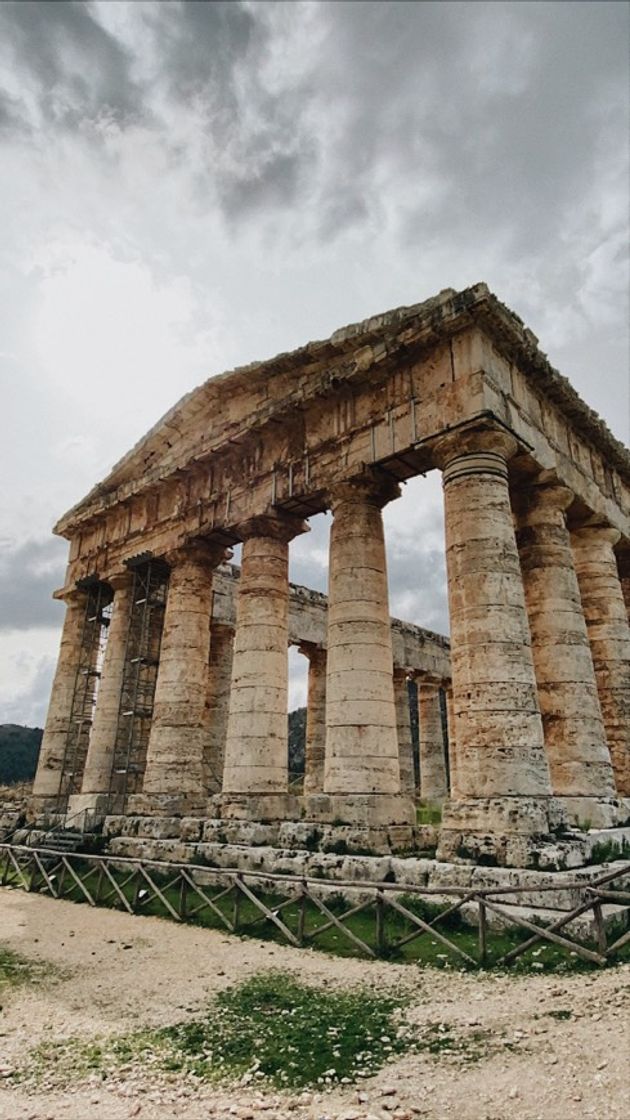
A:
<point x="217" y="705"/>
<point x="173" y="778"/>
<point x="609" y="634"/>
<point x="452" y="741"/>
<point x="403" y="729"/>
<point x="433" y="781"/>
<point x="503" y="786"/>
<point x="315" y="749"/>
<point x="99" y="761"/>
<point x="46" y="786"/>
<point x="362" y="771"/>
<point x="256" y="751"/>
<point x="577" y="752"/>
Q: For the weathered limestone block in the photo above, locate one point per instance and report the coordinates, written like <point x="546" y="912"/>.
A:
<point x="433" y="783"/>
<point x="100" y="755"/>
<point x="315" y="747"/>
<point x="361" y="741"/>
<point x="405" y="743"/>
<point x="577" y="751"/>
<point x="217" y="705"/>
<point x="46" y="786"/>
<point x="410" y="871"/>
<point x="609" y="635"/>
<point x="174" y="766"/>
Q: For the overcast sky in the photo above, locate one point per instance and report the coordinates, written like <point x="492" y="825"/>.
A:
<point x="186" y="187"/>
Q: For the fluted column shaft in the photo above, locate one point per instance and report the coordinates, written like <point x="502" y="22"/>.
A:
<point x="403" y="724"/>
<point x="452" y="741"/>
<point x="315" y="747"/>
<point x="433" y="783"/>
<point x="577" y="752"/>
<point x="49" y="768"/>
<point x="256" y="750"/>
<point x="98" y="764"/>
<point x="174" y="766"/>
<point x="217" y="705"/>
<point x="609" y="635"/>
<point x="500" y="744"/>
<point x="361" y="740"/>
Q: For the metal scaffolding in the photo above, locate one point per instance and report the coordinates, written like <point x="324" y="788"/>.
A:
<point x="96" y="619"/>
<point x="142" y="658"/>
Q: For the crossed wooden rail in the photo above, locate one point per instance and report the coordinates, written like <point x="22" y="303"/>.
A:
<point x="185" y="890"/>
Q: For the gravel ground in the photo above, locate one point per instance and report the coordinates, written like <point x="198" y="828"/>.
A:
<point x="119" y="973"/>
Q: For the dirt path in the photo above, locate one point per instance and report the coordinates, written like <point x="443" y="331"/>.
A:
<point x="124" y="972"/>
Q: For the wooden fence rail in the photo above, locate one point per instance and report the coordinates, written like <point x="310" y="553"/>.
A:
<point x="302" y="910"/>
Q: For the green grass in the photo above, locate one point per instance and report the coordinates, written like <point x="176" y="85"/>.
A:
<point x="428" y="814"/>
<point x="425" y="950"/>
<point x="15" y="969"/>
<point x="270" y="1028"/>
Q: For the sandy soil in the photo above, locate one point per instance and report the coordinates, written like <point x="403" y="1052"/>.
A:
<point x="124" y="972"/>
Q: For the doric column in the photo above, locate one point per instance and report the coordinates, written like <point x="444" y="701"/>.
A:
<point x="609" y="635"/>
<point x="433" y="781"/>
<point x="315" y="747"/>
<point x="451" y="740"/>
<point x="173" y="778"/>
<point x="46" y="787"/>
<point x="361" y="740"/>
<point x="98" y="764"/>
<point x="403" y="729"/>
<point x="217" y="705"/>
<point x="503" y="782"/>
<point x="577" y="752"/>
<point x="256" y="751"/>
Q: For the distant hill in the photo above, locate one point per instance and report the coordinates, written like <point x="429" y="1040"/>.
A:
<point x="297" y="740"/>
<point x="19" y="751"/>
<point x="19" y="748"/>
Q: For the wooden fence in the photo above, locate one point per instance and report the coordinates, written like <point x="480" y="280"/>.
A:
<point x="302" y="911"/>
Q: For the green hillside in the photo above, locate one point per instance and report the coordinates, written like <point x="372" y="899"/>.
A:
<point x="19" y="750"/>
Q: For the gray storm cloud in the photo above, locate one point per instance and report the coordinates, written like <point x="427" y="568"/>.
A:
<point x="29" y="573"/>
<point x="503" y="109"/>
<point x="193" y="186"/>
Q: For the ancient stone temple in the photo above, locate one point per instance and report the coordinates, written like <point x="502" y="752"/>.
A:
<point x="169" y="702"/>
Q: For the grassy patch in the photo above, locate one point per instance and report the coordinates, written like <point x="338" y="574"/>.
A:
<point x="398" y="938"/>
<point x="428" y="814"/>
<point x="447" y="1038"/>
<point x="15" y="969"/>
<point x="271" y="1028"/>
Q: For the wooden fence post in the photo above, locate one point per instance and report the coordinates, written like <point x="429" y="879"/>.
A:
<point x="483" y="933"/>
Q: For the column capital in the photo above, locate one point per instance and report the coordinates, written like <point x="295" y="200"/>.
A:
<point x="371" y="485"/>
<point x="424" y="676"/>
<point x="537" y="499"/>
<point x="71" y="596"/>
<point x="205" y="553"/>
<point x="312" y="651"/>
<point x="120" y="580"/>
<point x="595" y="534"/>
<point x="484" y="450"/>
<point x="401" y="674"/>
<point x="278" y="526"/>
